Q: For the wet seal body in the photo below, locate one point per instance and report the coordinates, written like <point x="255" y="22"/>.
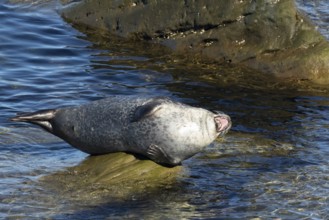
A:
<point x="159" y="128"/>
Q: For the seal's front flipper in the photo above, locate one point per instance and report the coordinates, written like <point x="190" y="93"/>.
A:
<point x="145" y="111"/>
<point x="41" y="118"/>
<point x="158" y="155"/>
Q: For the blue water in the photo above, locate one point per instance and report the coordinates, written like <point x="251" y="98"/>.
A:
<point x="273" y="164"/>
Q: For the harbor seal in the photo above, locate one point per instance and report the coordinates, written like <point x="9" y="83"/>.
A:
<point x="159" y="128"/>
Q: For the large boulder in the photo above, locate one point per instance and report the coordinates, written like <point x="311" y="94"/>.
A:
<point x="267" y="35"/>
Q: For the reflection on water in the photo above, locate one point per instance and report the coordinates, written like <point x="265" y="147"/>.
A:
<point x="274" y="162"/>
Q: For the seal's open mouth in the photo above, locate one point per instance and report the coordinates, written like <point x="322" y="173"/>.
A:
<point x="223" y="123"/>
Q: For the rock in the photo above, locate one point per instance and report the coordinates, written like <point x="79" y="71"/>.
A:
<point x="116" y="176"/>
<point x="266" y="35"/>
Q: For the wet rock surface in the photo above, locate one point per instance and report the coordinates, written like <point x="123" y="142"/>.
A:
<point x="117" y="175"/>
<point x="272" y="37"/>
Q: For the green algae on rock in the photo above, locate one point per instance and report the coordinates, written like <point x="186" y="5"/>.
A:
<point x="117" y="175"/>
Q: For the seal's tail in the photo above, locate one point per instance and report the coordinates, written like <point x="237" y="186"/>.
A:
<point x="41" y="118"/>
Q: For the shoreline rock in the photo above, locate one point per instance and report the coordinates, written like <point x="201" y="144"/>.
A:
<point x="272" y="37"/>
<point x="116" y="176"/>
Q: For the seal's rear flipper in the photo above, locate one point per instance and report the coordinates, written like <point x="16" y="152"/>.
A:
<point x="41" y="118"/>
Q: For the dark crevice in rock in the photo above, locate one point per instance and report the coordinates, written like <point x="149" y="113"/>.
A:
<point x="270" y="51"/>
<point x="247" y="14"/>
<point x="248" y="59"/>
<point x="209" y="40"/>
<point x="117" y="27"/>
<point x="188" y="30"/>
<point x="228" y="22"/>
<point x="143" y="36"/>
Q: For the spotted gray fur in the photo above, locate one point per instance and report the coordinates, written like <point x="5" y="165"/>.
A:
<point x="159" y="128"/>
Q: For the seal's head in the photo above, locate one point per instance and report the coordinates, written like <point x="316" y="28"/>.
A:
<point x="174" y="130"/>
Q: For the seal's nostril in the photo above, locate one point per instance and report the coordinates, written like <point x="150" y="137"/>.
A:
<point x="223" y="123"/>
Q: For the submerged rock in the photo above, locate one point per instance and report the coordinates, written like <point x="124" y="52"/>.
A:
<point x="266" y="35"/>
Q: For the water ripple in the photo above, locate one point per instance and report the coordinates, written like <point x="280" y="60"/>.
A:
<point x="273" y="164"/>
